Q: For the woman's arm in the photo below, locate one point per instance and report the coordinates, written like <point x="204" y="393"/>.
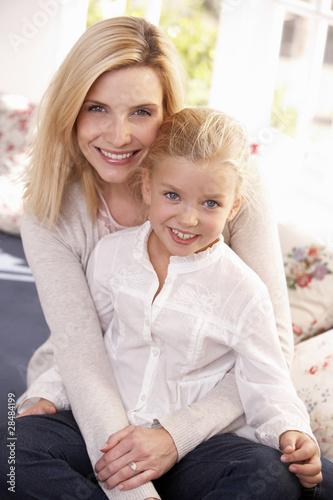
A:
<point x="58" y="259"/>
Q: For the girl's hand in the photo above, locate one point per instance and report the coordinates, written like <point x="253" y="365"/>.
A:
<point x="43" y="406"/>
<point x="152" y="450"/>
<point x="302" y="451"/>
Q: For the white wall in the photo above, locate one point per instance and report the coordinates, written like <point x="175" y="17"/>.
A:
<point x="35" y="36"/>
<point x="246" y="60"/>
<point x="245" y="70"/>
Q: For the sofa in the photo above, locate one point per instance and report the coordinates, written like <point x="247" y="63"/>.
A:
<point x="308" y="263"/>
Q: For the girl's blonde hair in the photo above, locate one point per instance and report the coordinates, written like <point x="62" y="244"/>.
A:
<point x="207" y="137"/>
<point x="56" y="158"/>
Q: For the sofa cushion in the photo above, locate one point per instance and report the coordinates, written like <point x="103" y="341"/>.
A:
<point x="312" y="375"/>
<point x="15" y="118"/>
<point x="308" y="265"/>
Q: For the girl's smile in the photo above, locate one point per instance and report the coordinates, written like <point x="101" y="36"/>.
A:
<point x="181" y="237"/>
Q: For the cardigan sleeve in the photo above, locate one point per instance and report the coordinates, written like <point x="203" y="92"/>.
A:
<point x="253" y="236"/>
<point x="58" y="258"/>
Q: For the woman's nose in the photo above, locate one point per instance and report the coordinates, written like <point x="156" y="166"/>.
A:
<point x="118" y="132"/>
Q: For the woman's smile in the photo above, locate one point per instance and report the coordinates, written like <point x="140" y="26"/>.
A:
<point x="119" y="158"/>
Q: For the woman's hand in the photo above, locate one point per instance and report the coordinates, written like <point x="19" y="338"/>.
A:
<point x="303" y="453"/>
<point x="152" y="451"/>
<point x="42" y="407"/>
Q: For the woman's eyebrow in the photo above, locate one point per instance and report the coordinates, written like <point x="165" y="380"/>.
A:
<point x="95" y="101"/>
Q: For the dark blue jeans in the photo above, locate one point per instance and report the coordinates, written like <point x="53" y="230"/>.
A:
<point x="51" y="463"/>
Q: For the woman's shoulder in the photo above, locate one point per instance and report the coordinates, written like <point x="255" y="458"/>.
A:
<point x="74" y="230"/>
<point x="74" y="201"/>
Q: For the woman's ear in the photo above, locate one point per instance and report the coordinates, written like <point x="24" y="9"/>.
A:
<point x="235" y="208"/>
<point x="146" y="186"/>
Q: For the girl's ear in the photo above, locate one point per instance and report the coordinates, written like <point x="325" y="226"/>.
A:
<point x="235" y="208"/>
<point x="146" y="186"/>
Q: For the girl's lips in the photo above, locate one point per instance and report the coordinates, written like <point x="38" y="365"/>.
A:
<point x="182" y="238"/>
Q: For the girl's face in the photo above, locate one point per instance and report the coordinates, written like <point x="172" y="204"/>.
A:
<point x="188" y="206"/>
<point x="119" y="121"/>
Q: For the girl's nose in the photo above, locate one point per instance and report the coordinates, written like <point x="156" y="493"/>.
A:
<point x="188" y="217"/>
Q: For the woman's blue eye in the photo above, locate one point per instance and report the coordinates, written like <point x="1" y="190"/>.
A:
<point x="142" y="112"/>
<point x="172" y="196"/>
<point x="211" y="204"/>
<point x="96" y="108"/>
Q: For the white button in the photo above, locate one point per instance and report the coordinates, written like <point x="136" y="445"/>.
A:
<point x="155" y="352"/>
<point x="143" y="398"/>
<point x="147" y="322"/>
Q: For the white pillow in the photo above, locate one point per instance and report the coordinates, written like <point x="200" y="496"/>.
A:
<point x="312" y="375"/>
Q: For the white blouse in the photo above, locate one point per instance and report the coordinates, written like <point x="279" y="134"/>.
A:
<point x="212" y="315"/>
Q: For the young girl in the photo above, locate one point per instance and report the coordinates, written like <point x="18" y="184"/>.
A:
<point x="179" y="310"/>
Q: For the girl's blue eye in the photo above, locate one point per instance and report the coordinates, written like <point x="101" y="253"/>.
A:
<point x="211" y="204"/>
<point x="172" y="196"/>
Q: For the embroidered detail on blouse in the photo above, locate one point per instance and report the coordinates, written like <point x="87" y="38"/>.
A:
<point x="205" y="300"/>
<point x="126" y="276"/>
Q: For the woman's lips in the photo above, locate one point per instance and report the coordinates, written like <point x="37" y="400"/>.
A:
<point x="116" y="156"/>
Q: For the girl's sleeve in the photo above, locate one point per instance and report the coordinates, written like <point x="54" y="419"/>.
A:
<point x="270" y="401"/>
<point x="76" y="339"/>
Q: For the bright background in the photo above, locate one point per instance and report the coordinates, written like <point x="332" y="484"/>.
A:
<point x="268" y="62"/>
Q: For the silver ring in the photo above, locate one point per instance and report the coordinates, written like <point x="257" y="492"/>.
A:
<point x="134" y="468"/>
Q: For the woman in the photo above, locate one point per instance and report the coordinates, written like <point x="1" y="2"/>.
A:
<point x="97" y="120"/>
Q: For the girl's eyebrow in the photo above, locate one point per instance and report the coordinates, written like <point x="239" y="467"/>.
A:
<point x="169" y="187"/>
<point x="208" y="196"/>
<point x="215" y="195"/>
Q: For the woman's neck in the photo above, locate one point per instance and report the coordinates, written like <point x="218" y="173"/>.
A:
<point x="125" y="210"/>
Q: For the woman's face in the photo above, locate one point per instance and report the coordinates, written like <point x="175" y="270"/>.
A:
<point x="119" y="120"/>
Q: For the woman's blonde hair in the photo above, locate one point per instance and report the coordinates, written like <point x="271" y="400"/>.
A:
<point x="56" y="158"/>
<point x="207" y="137"/>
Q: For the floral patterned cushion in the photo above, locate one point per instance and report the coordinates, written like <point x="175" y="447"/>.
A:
<point x="309" y="273"/>
<point x="312" y="375"/>
<point x="15" y="117"/>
